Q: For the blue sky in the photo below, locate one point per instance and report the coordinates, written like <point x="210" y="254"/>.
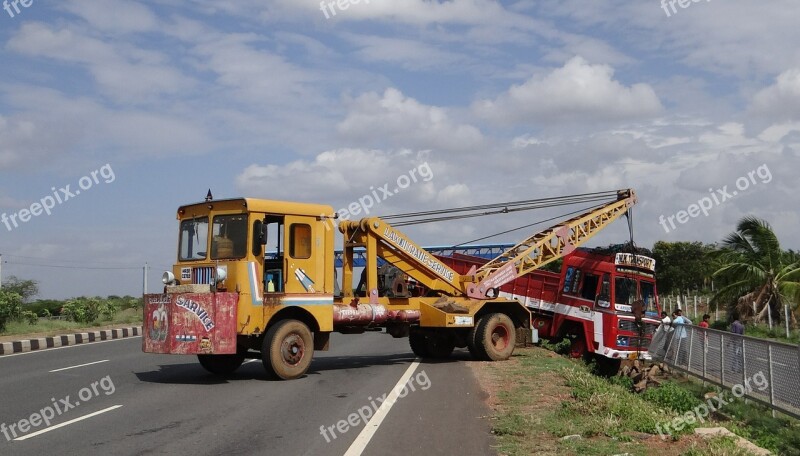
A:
<point x="504" y="100"/>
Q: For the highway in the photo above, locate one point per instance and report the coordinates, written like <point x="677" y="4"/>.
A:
<point x="110" y="398"/>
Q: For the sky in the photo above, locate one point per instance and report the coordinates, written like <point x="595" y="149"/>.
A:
<point x="142" y="106"/>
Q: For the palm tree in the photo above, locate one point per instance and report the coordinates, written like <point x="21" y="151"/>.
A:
<point x="754" y="269"/>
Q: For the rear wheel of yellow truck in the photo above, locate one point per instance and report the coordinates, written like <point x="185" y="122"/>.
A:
<point x="221" y="364"/>
<point x="288" y="349"/>
<point x="494" y="337"/>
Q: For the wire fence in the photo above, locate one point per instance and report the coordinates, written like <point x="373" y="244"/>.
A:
<point x="730" y="360"/>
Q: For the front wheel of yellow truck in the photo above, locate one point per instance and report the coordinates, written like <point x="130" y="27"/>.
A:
<point x="288" y="349"/>
<point x="221" y="364"/>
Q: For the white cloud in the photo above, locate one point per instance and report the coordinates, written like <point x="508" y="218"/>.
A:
<point x="401" y="121"/>
<point x="782" y="99"/>
<point x="576" y="91"/>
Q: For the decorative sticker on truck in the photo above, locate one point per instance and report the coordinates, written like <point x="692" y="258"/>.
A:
<point x="198" y="310"/>
<point x="420" y="254"/>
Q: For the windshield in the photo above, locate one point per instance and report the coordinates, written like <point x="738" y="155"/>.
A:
<point x="648" y="290"/>
<point x="624" y="292"/>
<point x="229" y="239"/>
<point x="194" y="237"/>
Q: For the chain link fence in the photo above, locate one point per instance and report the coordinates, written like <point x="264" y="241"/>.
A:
<point x="728" y="360"/>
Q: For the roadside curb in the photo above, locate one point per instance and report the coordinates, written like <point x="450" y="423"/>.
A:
<point x="43" y="343"/>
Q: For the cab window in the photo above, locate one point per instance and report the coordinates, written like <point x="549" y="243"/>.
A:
<point x="194" y="239"/>
<point x="624" y="291"/>
<point x="300" y="241"/>
<point x="229" y="237"/>
<point x="648" y="290"/>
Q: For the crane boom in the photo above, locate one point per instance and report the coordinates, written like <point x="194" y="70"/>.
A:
<point x="546" y="246"/>
<point x="384" y="241"/>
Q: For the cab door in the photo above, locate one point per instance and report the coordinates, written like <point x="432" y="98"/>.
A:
<point x="302" y="272"/>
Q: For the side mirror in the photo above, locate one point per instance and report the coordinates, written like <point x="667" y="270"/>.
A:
<point x="259" y="237"/>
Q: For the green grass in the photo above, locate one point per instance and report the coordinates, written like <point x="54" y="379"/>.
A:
<point x="778" y="333"/>
<point x="53" y="327"/>
<point x="718" y="446"/>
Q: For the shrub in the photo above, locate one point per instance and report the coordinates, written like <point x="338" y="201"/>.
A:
<point x="10" y="307"/>
<point x="30" y="317"/>
<point x="672" y="396"/>
<point x="82" y="310"/>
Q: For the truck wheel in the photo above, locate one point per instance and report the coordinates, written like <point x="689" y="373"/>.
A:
<point x="440" y="344"/>
<point x="473" y="349"/>
<point x="418" y="343"/>
<point x="495" y="337"/>
<point x="288" y="349"/>
<point x="221" y="364"/>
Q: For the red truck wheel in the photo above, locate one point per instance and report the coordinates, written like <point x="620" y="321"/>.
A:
<point x="288" y="349"/>
<point x="495" y="337"/>
<point x="221" y="364"/>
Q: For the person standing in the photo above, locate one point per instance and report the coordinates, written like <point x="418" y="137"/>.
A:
<point x="679" y="323"/>
<point x="737" y="328"/>
<point x="704" y="324"/>
<point x="661" y="338"/>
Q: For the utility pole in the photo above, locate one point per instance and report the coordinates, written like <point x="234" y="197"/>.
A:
<point x="1" y="270"/>
<point x="144" y="279"/>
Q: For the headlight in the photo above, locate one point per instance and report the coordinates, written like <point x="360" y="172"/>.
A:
<point x="623" y="341"/>
<point x="222" y="274"/>
<point x="168" y="278"/>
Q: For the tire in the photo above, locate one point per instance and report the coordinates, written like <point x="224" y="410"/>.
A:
<point x="440" y="344"/>
<point x="495" y="337"/>
<point x="221" y="364"/>
<point x="418" y="343"/>
<point x="473" y="349"/>
<point x="287" y="349"/>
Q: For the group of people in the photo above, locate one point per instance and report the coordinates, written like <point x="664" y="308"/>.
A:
<point x="673" y="333"/>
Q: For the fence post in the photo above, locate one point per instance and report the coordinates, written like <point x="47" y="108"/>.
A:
<point x="695" y="307"/>
<point x="744" y="361"/>
<point x="786" y="318"/>
<point x="722" y="358"/>
<point x="771" y="383"/>
<point x="705" y="351"/>
<point x="769" y="316"/>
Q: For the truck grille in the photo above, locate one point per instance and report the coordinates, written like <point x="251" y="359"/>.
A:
<point x="202" y="276"/>
<point x="630" y="325"/>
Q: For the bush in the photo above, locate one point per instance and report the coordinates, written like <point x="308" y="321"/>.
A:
<point x="10" y="307"/>
<point x="30" y="317"/>
<point x="672" y="396"/>
<point x="82" y="310"/>
<point x="721" y="325"/>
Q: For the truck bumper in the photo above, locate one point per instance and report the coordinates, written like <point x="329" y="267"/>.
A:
<point x="190" y="323"/>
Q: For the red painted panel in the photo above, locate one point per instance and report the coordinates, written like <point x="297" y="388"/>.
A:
<point x="190" y="323"/>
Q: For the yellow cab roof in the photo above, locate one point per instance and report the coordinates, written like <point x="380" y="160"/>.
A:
<point x="259" y="205"/>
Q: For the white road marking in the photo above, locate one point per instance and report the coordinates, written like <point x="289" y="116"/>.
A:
<point x="86" y="344"/>
<point x="360" y="443"/>
<point x="79" y="365"/>
<point x="66" y="423"/>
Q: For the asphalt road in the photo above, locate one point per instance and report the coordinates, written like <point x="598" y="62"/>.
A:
<point x="121" y="401"/>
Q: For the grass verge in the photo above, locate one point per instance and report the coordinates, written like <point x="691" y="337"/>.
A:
<point x="46" y="327"/>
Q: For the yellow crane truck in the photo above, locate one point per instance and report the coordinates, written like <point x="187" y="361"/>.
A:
<point x="226" y="299"/>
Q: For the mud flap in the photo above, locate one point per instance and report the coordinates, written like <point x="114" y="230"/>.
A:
<point x="190" y="323"/>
